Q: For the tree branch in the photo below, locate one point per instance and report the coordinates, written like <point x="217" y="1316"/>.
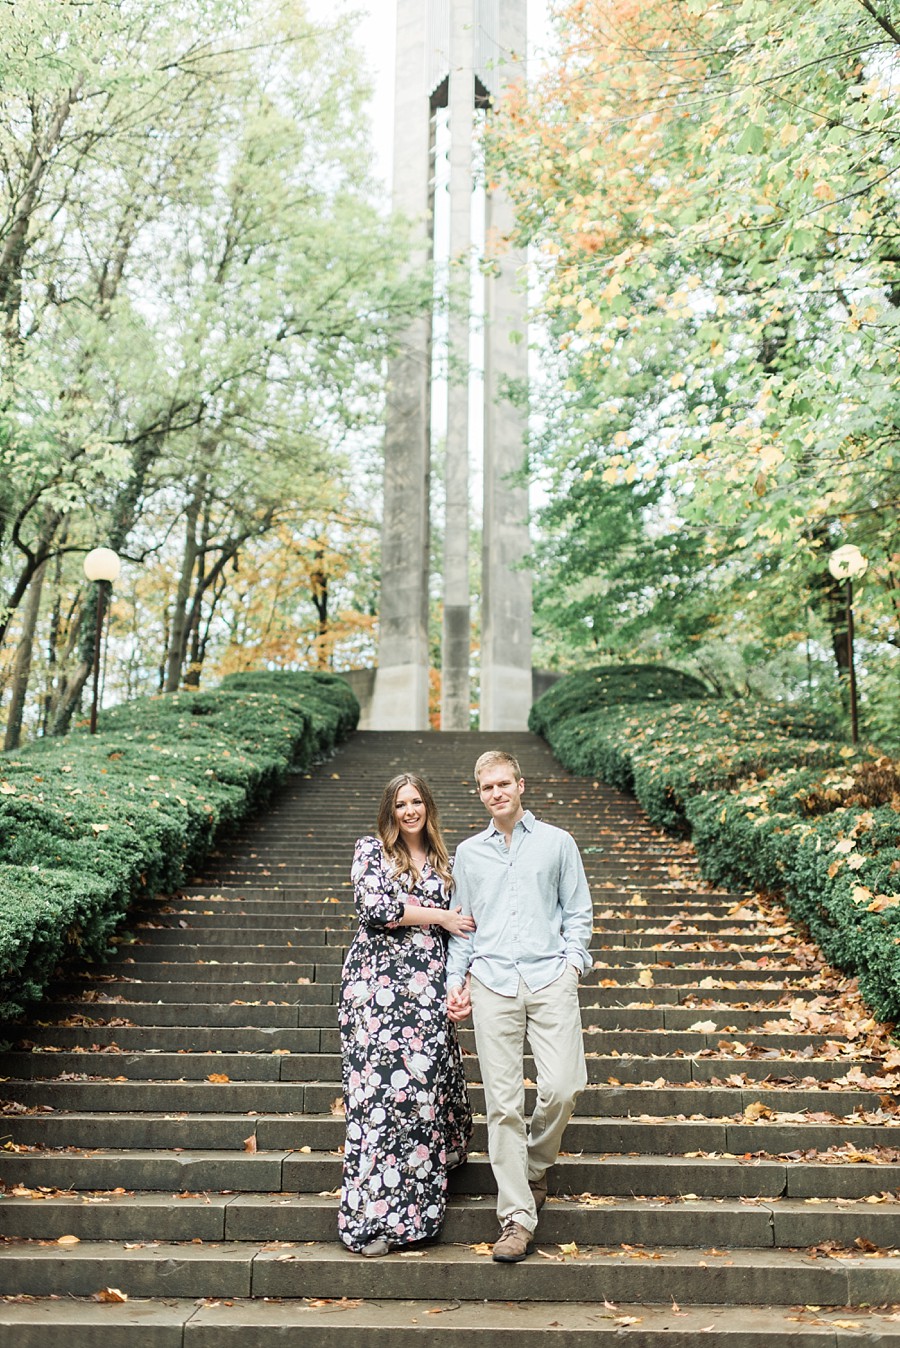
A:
<point x="882" y="20"/>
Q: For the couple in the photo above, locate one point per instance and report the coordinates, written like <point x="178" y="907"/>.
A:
<point x="504" y="936"/>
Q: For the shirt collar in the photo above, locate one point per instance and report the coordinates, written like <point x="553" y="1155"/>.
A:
<point x="527" y="821"/>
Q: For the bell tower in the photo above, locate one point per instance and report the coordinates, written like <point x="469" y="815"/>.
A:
<point x="455" y="57"/>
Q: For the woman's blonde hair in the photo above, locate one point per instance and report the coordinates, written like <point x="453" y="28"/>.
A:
<point x="392" y="839"/>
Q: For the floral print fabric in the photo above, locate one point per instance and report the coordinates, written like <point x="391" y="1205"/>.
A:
<point x="404" y="1087"/>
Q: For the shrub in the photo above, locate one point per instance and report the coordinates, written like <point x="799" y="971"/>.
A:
<point x="611" y="686"/>
<point x="91" y="823"/>
<point x="770" y="803"/>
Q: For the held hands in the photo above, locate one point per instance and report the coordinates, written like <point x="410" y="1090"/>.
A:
<point x="459" y="1005"/>
<point x="458" y="923"/>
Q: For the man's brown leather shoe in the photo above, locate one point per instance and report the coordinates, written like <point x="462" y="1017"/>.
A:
<point x="514" y="1244"/>
<point x="538" y="1189"/>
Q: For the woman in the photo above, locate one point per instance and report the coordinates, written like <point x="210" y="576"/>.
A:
<point x="407" y="1111"/>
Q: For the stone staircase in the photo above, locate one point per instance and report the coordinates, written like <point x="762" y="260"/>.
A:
<point x="172" y="1124"/>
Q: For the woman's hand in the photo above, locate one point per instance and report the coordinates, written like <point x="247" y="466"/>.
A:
<point x="458" y="923"/>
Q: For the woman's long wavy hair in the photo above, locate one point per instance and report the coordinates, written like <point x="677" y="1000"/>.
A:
<point x="392" y="839"/>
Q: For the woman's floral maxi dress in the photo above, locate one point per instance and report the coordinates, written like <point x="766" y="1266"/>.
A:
<point x="404" y="1089"/>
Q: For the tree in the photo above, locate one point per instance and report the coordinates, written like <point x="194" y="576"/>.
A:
<point x="713" y="193"/>
<point x="198" y="295"/>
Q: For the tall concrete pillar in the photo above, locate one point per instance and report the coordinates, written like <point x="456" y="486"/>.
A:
<point x="454" y="54"/>
<point x="455" y="695"/>
<point x="505" y="586"/>
<point x="400" y="697"/>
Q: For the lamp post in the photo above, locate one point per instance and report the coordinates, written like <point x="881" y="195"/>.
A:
<point x="102" y="566"/>
<point x="848" y="564"/>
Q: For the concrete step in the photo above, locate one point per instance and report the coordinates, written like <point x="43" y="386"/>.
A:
<point x="652" y="1222"/>
<point x="290" y="1269"/>
<point x="645" y="1135"/>
<point x="373" y="1323"/>
<point x="314" y="944"/>
<point x="273" y="1066"/>
<point x="694" y="1099"/>
<point x="293" y="900"/>
<point x="297" y="1172"/>
<point x="269" y="1039"/>
<point x="119" y="992"/>
<point x="606" y="1016"/>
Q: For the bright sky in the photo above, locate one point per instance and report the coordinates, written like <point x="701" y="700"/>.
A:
<point x="377" y="21"/>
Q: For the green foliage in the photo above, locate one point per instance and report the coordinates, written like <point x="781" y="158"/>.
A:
<point x="89" y="825"/>
<point x="609" y="686"/>
<point x="713" y="191"/>
<point x="198" y="292"/>
<point x="769" y="801"/>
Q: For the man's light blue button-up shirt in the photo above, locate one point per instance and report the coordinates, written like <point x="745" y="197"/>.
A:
<point x="531" y="905"/>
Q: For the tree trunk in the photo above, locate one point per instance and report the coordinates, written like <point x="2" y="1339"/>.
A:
<point x="124" y="514"/>
<point x="318" y="581"/>
<point x="22" y="665"/>
<point x="161" y="668"/>
<point x="35" y="556"/>
<point x="198" y="644"/>
<point x="179" y="634"/>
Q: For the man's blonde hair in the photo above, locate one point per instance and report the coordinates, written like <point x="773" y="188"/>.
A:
<point x="493" y="758"/>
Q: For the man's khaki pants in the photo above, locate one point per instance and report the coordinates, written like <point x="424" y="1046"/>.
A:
<point x="551" y="1022"/>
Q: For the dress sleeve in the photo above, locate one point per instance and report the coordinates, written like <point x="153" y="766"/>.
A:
<point x="459" y="948"/>
<point x="379" y="899"/>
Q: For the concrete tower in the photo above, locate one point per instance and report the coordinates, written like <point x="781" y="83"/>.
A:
<point x="455" y="55"/>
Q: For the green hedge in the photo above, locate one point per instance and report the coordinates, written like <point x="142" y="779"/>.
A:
<point x="612" y="686"/>
<point x="88" y="824"/>
<point x="770" y="802"/>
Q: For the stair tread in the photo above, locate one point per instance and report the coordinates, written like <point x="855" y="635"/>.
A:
<point x="707" y="1149"/>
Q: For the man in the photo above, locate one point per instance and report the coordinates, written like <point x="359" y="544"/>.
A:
<point x="523" y="882"/>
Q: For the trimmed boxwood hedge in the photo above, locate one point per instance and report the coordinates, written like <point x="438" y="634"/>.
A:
<point x="769" y="800"/>
<point x="88" y="824"/>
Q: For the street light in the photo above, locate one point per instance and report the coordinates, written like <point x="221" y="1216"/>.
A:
<point x="102" y="566"/>
<point x="848" y="564"/>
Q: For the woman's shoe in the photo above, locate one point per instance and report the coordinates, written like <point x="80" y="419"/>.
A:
<point x="375" y="1249"/>
<point x="453" y="1160"/>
